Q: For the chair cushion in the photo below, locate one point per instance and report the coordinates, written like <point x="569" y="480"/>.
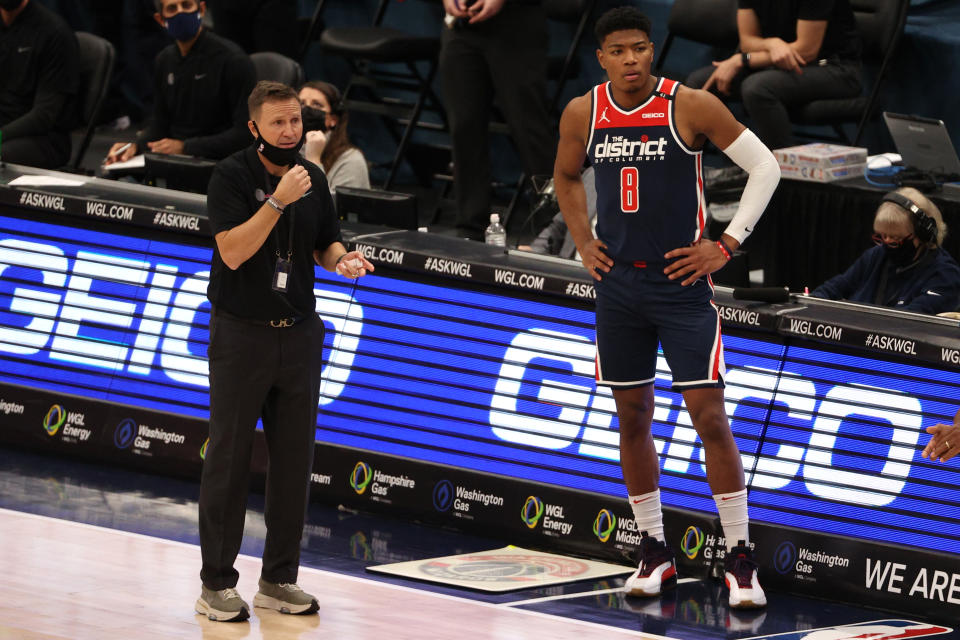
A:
<point x="380" y="44"/>
<point x="830" y="111"/>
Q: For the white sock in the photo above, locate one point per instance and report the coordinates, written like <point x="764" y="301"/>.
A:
<point x="648" y="514"/>
<point x="732" y="508"/>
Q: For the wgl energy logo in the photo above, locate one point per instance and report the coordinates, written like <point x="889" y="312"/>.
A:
<point x="54" y="419"/>
<point x="532" y="511"/>
<point x="71" y="421"/>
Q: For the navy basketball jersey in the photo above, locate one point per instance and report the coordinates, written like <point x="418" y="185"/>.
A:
<point x="649" y="182"/>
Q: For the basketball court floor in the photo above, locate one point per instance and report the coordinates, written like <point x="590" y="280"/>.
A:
<point x="93" y="552"/>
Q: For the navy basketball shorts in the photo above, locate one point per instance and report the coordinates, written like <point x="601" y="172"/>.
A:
<point x="637" y="308"/>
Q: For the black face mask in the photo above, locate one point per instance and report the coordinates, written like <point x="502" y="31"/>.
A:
<point x="10" y="5"/>
<point x="313" y="119"/>
<point x="900" y="256"/>
<point x="280" y="156"/>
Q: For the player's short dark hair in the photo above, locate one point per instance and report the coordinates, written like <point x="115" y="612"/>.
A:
<point x="621" y="19"/>
<point x="269" y="91"/>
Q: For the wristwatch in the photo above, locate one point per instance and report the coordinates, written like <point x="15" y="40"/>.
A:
<point x="745" y="60"/>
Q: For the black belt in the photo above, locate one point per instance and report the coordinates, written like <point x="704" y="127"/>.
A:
<point x="279" y="323"/>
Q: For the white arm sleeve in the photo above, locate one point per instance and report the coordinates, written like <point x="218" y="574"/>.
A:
<point x="753" y="157"/>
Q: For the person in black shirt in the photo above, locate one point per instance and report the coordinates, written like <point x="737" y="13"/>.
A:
<point x="201" y="83"/>
<point x="272" y="218"/>
<point x="791" y="52"/>
<point x="38" y="83"/>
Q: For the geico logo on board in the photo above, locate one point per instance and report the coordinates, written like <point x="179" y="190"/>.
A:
<point x="584" y="414"/>
<point x="154" y="332"/>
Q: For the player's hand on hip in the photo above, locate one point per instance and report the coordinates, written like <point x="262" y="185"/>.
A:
<point x="694" y="262"/>
<point x="595" y="260"/>
<point x="293" y="185"/>
<point x="944" y="444"/>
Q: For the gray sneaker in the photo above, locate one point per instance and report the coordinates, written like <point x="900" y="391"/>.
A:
<point x="225" y="605"/>
<point x="285" y="598"/>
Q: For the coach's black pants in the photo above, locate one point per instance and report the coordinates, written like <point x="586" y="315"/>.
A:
<point x="273" y="374"/>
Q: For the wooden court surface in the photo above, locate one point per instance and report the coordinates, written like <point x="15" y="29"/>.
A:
<point x="65" y="580"/>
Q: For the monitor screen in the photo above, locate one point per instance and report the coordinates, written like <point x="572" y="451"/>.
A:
<point x="374" y="206"/>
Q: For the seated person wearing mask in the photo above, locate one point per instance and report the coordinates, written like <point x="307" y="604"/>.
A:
<point x="202" y="82"/>
<point x="327" y="144"/>
<point x="39" y="57"/>
<point x="908" y="269"/>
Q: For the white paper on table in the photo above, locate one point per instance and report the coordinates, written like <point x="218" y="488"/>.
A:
<point x="45" y="181"/>
<point x="136" y="162"/>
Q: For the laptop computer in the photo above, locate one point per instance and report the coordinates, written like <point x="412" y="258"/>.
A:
<point x="923" y="143"/>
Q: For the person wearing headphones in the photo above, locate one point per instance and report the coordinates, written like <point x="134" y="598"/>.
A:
<point x="327" y="144"/>
<point x="908" y="269"/>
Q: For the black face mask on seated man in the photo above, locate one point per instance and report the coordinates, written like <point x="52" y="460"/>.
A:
<point x="280" y="156"/>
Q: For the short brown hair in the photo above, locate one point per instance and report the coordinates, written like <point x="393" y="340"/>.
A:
<point x="269" y="91"/>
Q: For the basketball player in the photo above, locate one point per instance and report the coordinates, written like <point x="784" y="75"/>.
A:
<point x="644" y="136"/>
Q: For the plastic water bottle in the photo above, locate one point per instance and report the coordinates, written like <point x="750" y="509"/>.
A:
<point x="495" y="233"/>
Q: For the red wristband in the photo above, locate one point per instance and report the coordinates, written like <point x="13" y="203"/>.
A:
<point x="724" y="249"/>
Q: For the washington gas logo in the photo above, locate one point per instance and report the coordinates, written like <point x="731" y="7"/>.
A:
<point x="443" y="495"/>
<point x="56" y="416"/>
<point x="692" y="542"/>
<point x="784" y="557"/>
<point x="532" y="511"/>
<point x="360" y="477"/>
<point x="203" y="449"/>
<point x="604" y="525"/>
<point x="125" y="433"/>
